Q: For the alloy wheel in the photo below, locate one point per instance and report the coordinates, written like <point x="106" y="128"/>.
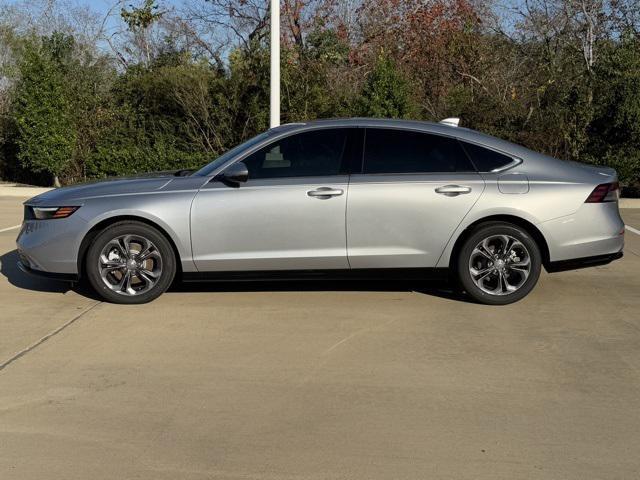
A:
<point x="500" y="265"/>
<point x="130" y="265"/>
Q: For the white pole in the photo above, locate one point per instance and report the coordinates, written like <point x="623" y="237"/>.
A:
<point x="275" y="64"/>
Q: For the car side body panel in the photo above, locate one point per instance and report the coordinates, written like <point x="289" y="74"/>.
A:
<point x="388" y="227"/>
<point x="571" y="228"/>
<point x="400" y="221"/>
<point x="270" y="224"/>
<point x="163" y="202"/>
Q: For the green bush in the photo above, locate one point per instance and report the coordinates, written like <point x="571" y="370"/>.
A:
<point x="46" y="134"/>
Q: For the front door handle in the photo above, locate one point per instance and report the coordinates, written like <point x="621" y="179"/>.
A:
<point x="325" y="192"/>
<point x="453" y="190"/>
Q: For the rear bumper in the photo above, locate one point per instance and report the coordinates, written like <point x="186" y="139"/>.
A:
<point x="594" y="230"/>
<point x="584" y="262"/>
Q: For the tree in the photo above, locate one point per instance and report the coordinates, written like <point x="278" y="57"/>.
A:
<point x="615" y="131"/>
<point x="139" y="20"/>
<point x="158" y="117"/>
<point x="184" y="84"/>
<point x="386" y="93"/>
<point x="42" y="108"/>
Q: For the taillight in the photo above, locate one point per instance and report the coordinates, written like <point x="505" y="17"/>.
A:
<point x="605" y="192"/>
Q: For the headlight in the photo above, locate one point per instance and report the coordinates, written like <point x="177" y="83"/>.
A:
<point x="46" y="213"/>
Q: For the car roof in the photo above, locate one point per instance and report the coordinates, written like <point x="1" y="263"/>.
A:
<point x="363" y="121"/>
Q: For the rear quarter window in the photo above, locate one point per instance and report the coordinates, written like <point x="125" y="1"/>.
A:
<point x="484" y="159"/>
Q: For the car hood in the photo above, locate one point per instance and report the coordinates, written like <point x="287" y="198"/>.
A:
<point x="116" y="186"/>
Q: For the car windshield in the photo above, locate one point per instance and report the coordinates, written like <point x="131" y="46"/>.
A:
<point x="211" y="167"/>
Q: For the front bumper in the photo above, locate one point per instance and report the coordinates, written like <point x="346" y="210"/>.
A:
<point x="51" y="246"/>
<point x="64" y="277"/>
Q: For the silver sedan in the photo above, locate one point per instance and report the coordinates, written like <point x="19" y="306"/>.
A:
<point x="339" y="198"/>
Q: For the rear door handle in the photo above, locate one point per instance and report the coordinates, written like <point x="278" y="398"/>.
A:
<point x="453" y="190"/>
<point x="325" y="192"/>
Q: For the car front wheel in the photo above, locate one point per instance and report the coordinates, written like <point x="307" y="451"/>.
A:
<point x="499" y="263"/>
<point x="130" y="262"/>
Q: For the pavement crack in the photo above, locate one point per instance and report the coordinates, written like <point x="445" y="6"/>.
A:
<point x="628" y="249"/>
<point x="326" y="357"/>
<point x="53" y="333"/>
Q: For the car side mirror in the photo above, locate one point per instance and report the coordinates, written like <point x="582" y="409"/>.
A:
<point x="234" y="175"/>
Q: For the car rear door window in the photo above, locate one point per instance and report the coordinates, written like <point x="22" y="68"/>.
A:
<point x="402" y="151"/>
<point x="484" y="159"/>
<point x="307" y="154"/>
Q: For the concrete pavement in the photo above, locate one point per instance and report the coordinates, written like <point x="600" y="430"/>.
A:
<point x="317" y="381"/>
<point x="20" y="191"/>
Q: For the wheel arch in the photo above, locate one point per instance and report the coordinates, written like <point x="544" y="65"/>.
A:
<point x="102" y="224"/>
<point x="526" y="225"/>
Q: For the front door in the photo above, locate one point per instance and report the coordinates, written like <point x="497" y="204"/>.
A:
<point x="289" y="215"/>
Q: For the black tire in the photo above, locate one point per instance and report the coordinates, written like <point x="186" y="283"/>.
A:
<point x="492" y="230"/>
<point x="155" y="287"/>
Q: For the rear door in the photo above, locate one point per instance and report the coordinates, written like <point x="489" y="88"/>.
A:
<point x="289" y="215"/>
<point x="413" y="190"/>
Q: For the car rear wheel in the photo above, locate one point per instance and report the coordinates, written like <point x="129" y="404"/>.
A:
<point x="499" y="263"/>
<point x="130" y="262"/>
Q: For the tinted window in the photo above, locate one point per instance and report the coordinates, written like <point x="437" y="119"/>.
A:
<point x="209" y="168"/>
<point x="308" y="154"/>
<point x="398" y="151"/>
<point x="486" y="160"/>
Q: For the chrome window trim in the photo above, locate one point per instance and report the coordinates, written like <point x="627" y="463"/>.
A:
<point x="295" y="128"/>
<point x="515" y="161"/>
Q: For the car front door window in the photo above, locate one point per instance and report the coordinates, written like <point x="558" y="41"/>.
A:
<point x="316" y="153"/>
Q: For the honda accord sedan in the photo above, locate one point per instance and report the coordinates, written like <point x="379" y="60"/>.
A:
<point x="354" y="198"/>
